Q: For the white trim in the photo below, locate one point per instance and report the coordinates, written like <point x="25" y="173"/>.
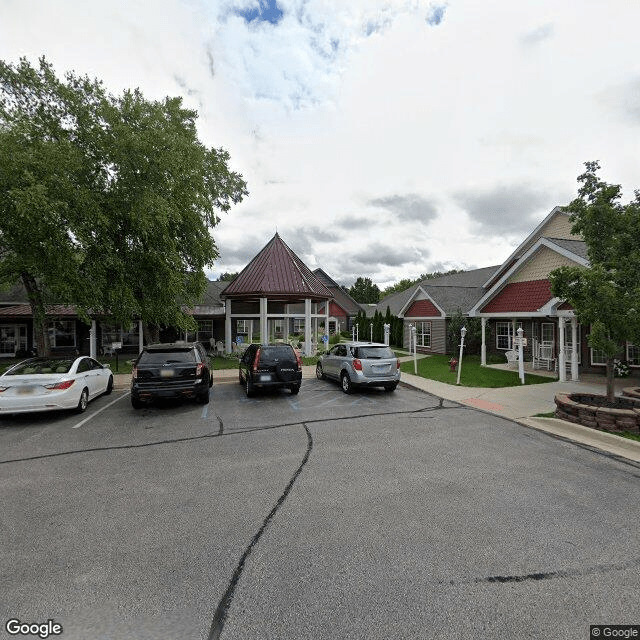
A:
<point x="427" y="297"/>
<point x="530" y="237"/>
<point x="542" y="242"/>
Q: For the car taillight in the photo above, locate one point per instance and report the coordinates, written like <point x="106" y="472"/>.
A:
<point x="398" y="363"/>
<point x="60" y="386"/>
<point x="199" y="369"/>
<point x="357" y="365"/>
<point x="134" y="373"/>
<point x="3" y="389"/>
<point x="256" y="360"/>
<point x="298" y="360"/>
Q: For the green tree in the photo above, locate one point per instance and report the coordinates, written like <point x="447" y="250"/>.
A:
<point x="364" y="291"/>
<point x="606" y="295"/>
<point x="228" y="277"/>
<point x="106" y="202"/>
<point x="473" y="338"/>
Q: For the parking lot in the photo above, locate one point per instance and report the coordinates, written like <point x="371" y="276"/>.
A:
<point x="320" y="515"/>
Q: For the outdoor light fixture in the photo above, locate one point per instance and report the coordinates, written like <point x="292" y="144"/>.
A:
<point x="463" y="333"/>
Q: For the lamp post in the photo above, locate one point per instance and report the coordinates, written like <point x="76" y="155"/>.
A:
<point x="520" y="355"/>
<point x="371" y="334"/>
<point x="463" y="333"/>
<point x="412" y="340"/>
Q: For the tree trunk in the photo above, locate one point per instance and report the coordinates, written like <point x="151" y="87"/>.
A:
<point x="611" y="391"/>
<point x="38" y="310"/>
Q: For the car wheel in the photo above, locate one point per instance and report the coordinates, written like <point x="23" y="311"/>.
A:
<point x="203" y="398"/>
<point x="136" y="403"/>
<point x="390" y="387"/>
<point x="248" y="387"/>
<point x="210" y="380"/>
<point x="345" y="381"/>
<point x="83" y="402"/>
<point x="109" y="386"/>
<point x="295" y="388"/>
<point x="319" y="373"/>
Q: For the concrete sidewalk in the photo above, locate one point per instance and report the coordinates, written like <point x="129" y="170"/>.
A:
<point x="519" y="403"/>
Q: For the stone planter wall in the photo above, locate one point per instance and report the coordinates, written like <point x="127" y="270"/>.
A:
<point x="632" y="392"/>
<point x="573" y="407"/>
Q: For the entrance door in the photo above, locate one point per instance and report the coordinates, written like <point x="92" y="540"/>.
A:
<point x="568" y="345"/>
<point x="547" y="337"/>
<point x="12" y="338"/>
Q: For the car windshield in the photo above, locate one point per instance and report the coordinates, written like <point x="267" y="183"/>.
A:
<point x="40" y="366"/>
<point x="373" y="352"/>
<point x="160" y="357"/>
<point x="276" y="354"/>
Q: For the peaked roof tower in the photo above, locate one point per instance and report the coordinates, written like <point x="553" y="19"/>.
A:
<point x="277" y="272"/>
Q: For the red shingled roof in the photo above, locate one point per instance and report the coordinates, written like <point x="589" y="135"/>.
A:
<point x="520" y="296"/>
<point x="422" y="309"/>
<point x="277" y="271"/>
<point x="25" y="310"/>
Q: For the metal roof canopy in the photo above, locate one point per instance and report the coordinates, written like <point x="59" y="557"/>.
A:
<point x="278" y="274"/>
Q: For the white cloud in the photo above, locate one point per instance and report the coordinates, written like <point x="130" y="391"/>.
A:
<point x="341" y="104"/>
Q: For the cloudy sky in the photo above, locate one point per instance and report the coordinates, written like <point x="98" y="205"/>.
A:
<point x="380" y="138"/>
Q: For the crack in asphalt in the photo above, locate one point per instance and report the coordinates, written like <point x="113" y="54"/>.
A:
<point x="222" y="609"/>
<point x="218" y="434"/>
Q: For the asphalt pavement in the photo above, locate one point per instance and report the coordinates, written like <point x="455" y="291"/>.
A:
<point x="519" y="403"/>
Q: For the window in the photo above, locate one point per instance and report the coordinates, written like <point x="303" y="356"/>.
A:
<point x="598" y="357"/>
<point x="205" y="331"/>
<point x="242" y="327"/>
<point x="504" y="334"/>
<point x="298" y="325"/>
<point x="62" y="333"/>
<point x="277" y="328"/>
<point x="423" y="334"/>
<point x="633" y="355"/>
<point x="128" y="334"/>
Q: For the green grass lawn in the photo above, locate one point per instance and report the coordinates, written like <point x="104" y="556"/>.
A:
<point x="437" y="367"/>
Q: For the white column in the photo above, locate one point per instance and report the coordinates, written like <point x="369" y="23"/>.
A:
<point x="264" y="335"/>
<point x="227" y="326"/>
<point x="92" y="340"/>
<point x="285" y="326"/>
<point x="574" y="349"/>
<point x="483" y="348"/>
<point x="326" y="320"/>
<point x="307" y="327"/>
<point x="140" y="337"/>
<point x="562" y="366"/>
<point x="250" y="335"/>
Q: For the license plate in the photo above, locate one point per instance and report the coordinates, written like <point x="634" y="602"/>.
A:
<point x="167" y="373"/>
<point x="265" y="378"/>
<point x="24" y="391"/>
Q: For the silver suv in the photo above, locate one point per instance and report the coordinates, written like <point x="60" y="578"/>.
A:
<point x="360" y="364"/>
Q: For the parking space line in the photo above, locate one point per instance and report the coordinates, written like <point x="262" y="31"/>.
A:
<point x="205" y="410"/>
<point x="77" y="426"/>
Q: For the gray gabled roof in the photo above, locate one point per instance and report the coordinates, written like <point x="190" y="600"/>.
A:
<point x="340" y="296"/>
<point x="16" y="295"/>
<point x="451" y="292"/>
<point x="577" y="247"/>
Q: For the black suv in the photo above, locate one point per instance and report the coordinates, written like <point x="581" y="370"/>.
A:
<point x="175" y="370"/>
<point x="270" y="365"/>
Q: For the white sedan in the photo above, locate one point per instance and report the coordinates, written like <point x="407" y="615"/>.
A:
<point x="48" y="384"/>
